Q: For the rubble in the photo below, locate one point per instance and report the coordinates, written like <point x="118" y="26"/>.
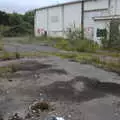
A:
<point x="39" y="106"/>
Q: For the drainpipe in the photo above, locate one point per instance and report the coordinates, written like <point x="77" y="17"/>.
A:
<point x="109" y="8"/>
<point x="82" y="20"/>
<point x="47" y="21"/>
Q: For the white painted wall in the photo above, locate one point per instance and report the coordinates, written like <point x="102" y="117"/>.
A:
<point x="96" y="5"/>
<point x="40" y="22"/>
<point x="55" y="19"/>
<point x="72" y="15"/>
<point x="89" y="22"/>
<point x="113" y="7"/>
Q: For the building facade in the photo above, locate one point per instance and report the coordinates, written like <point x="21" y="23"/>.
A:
<point x="57" y="19"/>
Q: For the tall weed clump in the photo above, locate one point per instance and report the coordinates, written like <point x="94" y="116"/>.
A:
<point x="78" y="44"/>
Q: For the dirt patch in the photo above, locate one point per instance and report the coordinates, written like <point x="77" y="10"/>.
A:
<point x="56" y="84"/>
<point x="65" y="91"/>
<point x="56" y="71"/>
<point x="80" y="89"/>
<point x="31" y="66"/>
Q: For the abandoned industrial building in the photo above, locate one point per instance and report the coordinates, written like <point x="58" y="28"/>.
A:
<point x="55" y="20"/>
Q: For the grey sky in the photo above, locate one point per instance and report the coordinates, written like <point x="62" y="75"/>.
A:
<point x="24" y="5"/>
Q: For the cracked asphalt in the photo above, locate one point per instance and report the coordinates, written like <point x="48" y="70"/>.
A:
<point x="78" y="91"/>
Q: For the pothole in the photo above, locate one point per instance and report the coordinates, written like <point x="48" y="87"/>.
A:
<point x="79" y="86"/>
<point x="29" y="66"/>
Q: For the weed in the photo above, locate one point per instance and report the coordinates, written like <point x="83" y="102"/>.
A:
<point x="17" y="55"/>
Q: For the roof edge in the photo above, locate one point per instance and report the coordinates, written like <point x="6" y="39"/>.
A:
<point x="62" y="4"/>
<point x="107" y="17"/>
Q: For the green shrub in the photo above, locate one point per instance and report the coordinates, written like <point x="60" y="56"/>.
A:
<point x="112" y="42"/>
<point x="85" y="46"/>
<point x="63" y="44"/>
<point x="19" y="30"/>
<point x="73" y="33"/>
<point x="79" y="45"/>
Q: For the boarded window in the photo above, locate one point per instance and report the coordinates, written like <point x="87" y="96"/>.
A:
<point x="101" y="32"/>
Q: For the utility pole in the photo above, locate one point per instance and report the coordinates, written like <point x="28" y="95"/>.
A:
<point x="82" y="20"/>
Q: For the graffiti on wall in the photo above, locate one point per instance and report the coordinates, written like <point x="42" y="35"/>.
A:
<point x="89" y="31"/>
<point x="40" y="30"/>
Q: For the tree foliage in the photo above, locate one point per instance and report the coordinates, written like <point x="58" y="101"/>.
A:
<point x="29" y="16"/>
<point x="4" y="18"/>
<point x="15" y="19"/>
<point x="18" y="24"/>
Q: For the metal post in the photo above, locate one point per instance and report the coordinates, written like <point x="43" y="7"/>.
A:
<point x="82" y="19"/>
<point x="63" y="20"/>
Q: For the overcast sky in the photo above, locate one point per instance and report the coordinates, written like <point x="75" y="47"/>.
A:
<point x="24" y="5"/>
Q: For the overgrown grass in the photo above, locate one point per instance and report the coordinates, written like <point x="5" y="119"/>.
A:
<point x="9" y="56"/>
<point x="62" y="43"/>
<point x="87" y="58"/>
<point x="83" y="58"/>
